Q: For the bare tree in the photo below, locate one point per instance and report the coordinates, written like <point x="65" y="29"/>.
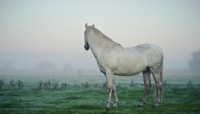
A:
<point x="80" y="72"/>
<point x="132" y="84"/>
<point x="46" y="68"/>
<point x="12" y="83"/>
<point x="20" y="84"/>
<point x="55" y="85"/>
<point x="166" y="83"/>
<point x="1" y="84"/>
<point x="175" y="89"/>
<point x="64" y="85"/>
<point x="118" y="86"/>
<point x="85" y="85"/>
<point x="189" y="84"/>
<point x="40" y="86"/>
<point x="105" y="85"/>
<point x="96" y="85"/>
<point x="7" y="67"/>
<point x="194" y="63"/>
<point x="67" y="68"/>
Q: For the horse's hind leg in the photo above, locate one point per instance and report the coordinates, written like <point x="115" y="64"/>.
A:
<point x="115" y="95"/>
<point x="158" y="80"/>
<point x="147" y="85"/>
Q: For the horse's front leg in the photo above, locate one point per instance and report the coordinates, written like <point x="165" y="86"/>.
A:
<point x="109" y="76"/>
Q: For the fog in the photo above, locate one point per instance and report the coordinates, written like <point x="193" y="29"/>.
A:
<point x="34" y="32"/>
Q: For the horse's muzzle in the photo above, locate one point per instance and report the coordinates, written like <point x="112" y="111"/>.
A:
<point x="86" y="46"/>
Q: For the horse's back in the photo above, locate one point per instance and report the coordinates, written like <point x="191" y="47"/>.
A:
<point x="147" y="47"/>
<point x="145" y="50"/>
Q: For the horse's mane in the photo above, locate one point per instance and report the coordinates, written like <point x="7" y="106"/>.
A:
<point x="96" y="31"/>
<point x="103" y="36"/>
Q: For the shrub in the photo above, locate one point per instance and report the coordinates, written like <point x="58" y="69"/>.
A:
<point x="55" y="85"/>
<point x="12" y="85"/>
<point x="105" y="85"/>
<point x="64" y="85"/>
<point x="85" y="85"/>
<point x="40" y="83"/>
<point x="20" y="84"/>
<point x="166" y="84"/>
<point x="95" y="85"/>
<point x="132" y="84"/>
<point x="175" y="89"/>
<point x="194" y="63"/>
<point x="189" y="83"/>
<point x="118" y="86"/>
<point x="1" y="84"/>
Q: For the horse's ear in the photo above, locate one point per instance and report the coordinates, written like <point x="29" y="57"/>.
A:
<point x="86" y="25"/>
<point x="93" y="25"/>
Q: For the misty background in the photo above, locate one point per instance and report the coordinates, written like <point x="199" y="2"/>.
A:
<point x="46" y="37"/>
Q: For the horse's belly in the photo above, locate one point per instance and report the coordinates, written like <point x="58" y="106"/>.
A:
<point x="119" y="73"/>
<point x="129" y="66"/>
<point x="130" y="70"/>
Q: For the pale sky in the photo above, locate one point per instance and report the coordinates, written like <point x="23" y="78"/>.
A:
<point x="33" y="31"/>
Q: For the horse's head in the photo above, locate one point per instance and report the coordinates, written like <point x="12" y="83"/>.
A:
<point x="86" y="46"/>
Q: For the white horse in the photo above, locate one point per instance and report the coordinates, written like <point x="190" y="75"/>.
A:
<point x="113" y="59"/>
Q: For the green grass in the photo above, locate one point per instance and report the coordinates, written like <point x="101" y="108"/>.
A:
<point x="76" y="99"/>
<point x="92" y="100"/>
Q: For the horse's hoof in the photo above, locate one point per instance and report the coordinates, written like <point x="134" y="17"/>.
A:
<point x="115" y="105"/>
<point x="140" y="105"/>
<point x="107" y="108"/>
<point x="155" y="105"/>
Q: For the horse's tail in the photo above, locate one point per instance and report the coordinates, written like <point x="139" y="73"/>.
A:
<point x="161" y="79"/>
<point x="161" y="75"/>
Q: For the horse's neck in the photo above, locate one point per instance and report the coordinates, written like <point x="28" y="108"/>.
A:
<point x="98" y="45"/>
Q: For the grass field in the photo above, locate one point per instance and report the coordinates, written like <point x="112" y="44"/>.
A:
<point x="86" y="95"/>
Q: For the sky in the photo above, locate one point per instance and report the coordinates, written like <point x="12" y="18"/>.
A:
<point x="33" y="31"/>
